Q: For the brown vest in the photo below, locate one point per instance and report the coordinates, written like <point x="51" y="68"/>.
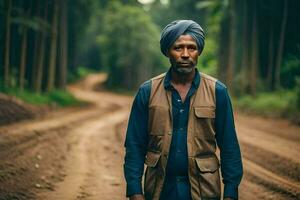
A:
<point x="203" y="163"/>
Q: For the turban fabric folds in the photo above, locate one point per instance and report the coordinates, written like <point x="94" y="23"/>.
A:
<point x="179" y="27"/>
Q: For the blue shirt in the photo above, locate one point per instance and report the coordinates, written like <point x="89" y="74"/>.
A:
<point x="137" y="138"/>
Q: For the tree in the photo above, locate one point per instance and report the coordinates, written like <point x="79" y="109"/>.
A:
<point x="130" y="48"/>
<point x="24" y="49"/>
<point x="254" y="50"/>
<point x="245" y="49"/>
<point x="40" y="54"/>
<point x="53" y="47"/>
<point x="281" y="44"/>
<point x="63" y="44"/>
<point x="7" y="42"/>
<point x="232" y="44"/>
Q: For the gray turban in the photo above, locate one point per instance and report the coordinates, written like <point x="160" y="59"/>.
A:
<point x="179" y="27"/>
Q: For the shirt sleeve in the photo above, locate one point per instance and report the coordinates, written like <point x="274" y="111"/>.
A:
<point x="136" y="141"/>
<point x="231" y="162"/>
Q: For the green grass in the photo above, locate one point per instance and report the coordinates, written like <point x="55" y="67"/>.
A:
<point x="275" y="104"/>
<point x="55" y="97"/>
<point x="58" y="97"/>
<point x="80" y="73"/>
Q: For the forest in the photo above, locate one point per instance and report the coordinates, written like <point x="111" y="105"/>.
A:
<point x="252" y="46"/>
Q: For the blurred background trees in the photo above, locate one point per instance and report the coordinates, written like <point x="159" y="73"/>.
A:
<point x="252" y="46"/>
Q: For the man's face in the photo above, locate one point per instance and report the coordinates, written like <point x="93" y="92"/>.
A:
<point x="183" y="54"/>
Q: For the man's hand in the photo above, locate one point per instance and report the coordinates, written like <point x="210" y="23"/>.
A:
<point x="137" y="197"/>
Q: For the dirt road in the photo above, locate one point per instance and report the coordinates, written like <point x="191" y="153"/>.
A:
<point x="77" y="153"/>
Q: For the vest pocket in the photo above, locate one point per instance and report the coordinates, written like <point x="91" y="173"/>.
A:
<point x="205" y="112"/>
<point x="209" y="177"/>
<point x="204" y="122"/>
<point x="151" y="173"/>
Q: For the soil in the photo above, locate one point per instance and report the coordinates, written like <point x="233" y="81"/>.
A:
<point x="77" y="153"/>
<point x="13" y="110"/>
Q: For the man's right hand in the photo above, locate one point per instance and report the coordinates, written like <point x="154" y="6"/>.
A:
<point x="137" y="197"/>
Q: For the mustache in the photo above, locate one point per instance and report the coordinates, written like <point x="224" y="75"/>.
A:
<point x="186" y="62"/>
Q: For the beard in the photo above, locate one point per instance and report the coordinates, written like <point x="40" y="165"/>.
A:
<point x="181" y="68"/>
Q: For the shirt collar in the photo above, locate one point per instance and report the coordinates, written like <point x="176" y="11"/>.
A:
<point x="168" y="78"/>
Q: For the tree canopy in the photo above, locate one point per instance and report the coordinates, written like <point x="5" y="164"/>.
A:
<point x="252" y="46"/>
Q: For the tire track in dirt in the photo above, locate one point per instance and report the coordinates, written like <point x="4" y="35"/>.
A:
<point x="34" y="152"/>
<point x="289" y="187"/>
<point x="87" y="144"/>
<point x="274" y="163"/>
<point x="81" y="163"/>
<point x="270" y="157"/>
<point x="90" y="170"/>
<point x="277" y="145"/>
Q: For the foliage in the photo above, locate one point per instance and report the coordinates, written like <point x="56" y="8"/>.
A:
<point x="290" y="71"/>
<point x="247" y="45"/>
<point x="63" y="98"/>
<point x="130" y="46"/>
<point x="272" y="104"/>
<point x="58" y="97"/>
<point x="298" y="93"/>
<point x="79" y="73"/>
<point x="207" y="61"/>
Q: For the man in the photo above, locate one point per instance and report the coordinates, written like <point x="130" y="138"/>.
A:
<point x="176" y="121"/>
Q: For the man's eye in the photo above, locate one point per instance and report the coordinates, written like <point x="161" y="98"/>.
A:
<point x="193" y="48"/>
<point x="177" y="48"/>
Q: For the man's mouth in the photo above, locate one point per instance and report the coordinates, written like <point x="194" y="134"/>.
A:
<point x="185" y="63"/>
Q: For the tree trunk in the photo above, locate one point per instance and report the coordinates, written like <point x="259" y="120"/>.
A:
<point x="245" y="49"/>
<point x="271" y="57"/>
<point x="63" y="45"/>
<point x="232" y="45"/>
<point x="254" y="51"/>
<point x="281" y="45"/>
<point x="41" y="55"/>
<point x="7" y="42"/>
<point x="23" y="58"/>
<point x="37" y="37"/>
<point x="223" y="47"/>
<point x="53" y="48"/>
<point x="23" y="53"/>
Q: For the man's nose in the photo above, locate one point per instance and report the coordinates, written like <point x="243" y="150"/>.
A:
<point x="185" y="53"/>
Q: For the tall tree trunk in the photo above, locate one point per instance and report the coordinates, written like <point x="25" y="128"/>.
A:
<point x="63" y="45"/>
<point x="223" y="47"/>
<point x="23" y="53"/>
<point x="53" y="48"/>
<point x="23" y="58"/>
<point x="254" y="51"/>
<point x="232" y="45"/>
<point x="41" y="55"/>
<point x="245" y="49"/>
<point x="271" y="57"/>
<point x="36" y="58"/>
<point x="7" y="42"/>
<point x="281" y="45"/>
<point x="37" y="38"/>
